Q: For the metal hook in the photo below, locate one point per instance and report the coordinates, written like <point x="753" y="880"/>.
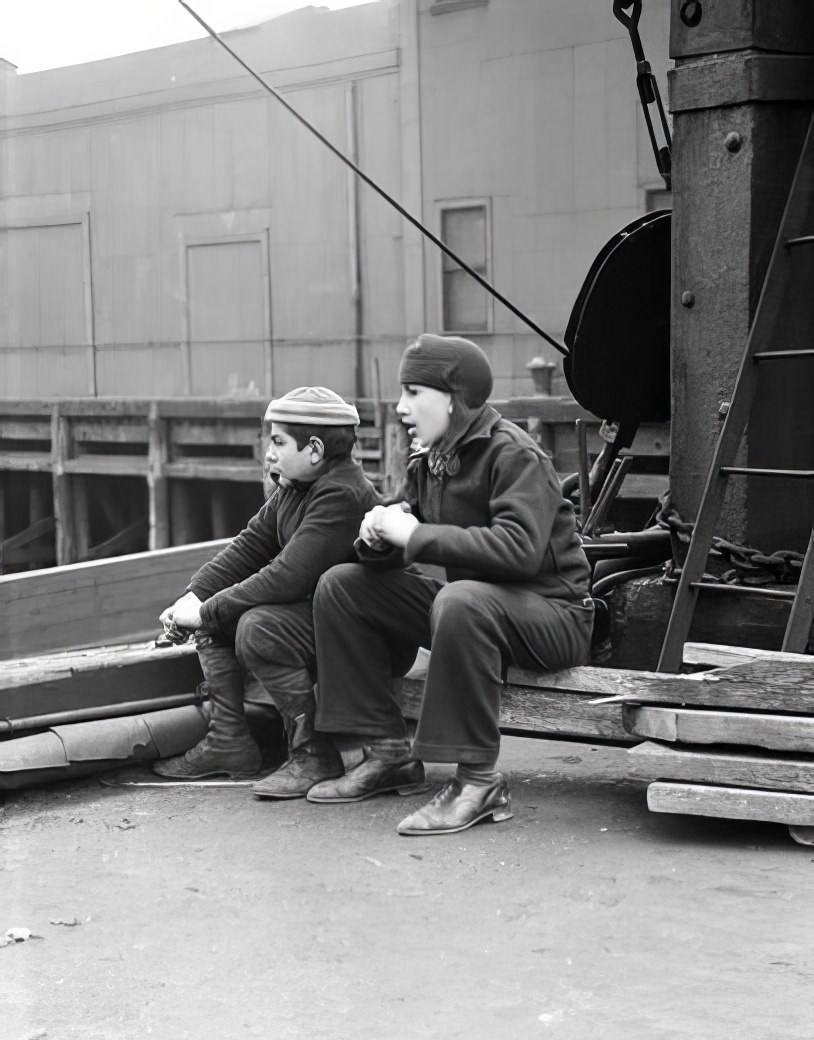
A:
<point x="630" y="21"/>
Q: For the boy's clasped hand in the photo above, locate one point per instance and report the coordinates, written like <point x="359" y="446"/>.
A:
<point x="391" y="525"/>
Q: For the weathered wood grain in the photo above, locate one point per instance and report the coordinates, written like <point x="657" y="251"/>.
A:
<point x="760" y="685"/>
<point x="688" y="726"/>
<point x="732" y="803"/>
<point x="110" y="675"/>
<point x="727" y="768"/>
<point x="543" y="713"/>
<point x="88" y="604"/>
<point x="716" y="655"/>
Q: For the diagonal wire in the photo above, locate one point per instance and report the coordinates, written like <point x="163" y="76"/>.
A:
<point x="369" y="181"/>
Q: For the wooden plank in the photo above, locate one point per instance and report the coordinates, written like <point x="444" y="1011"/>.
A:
<point x="87" y="604"/>
<point x="111" y="675"/>
<point x="541" y="713"/>
<point x="34" y="531"/>
<point x="26" y="461"/>
<point x="220" y="432"/>
<point x="215" y="469"/>
<point x="685" y="726"/>
<point x="732" y="803"/>
<point x="108" y="465"/>
<point x="728" y="769"/>
<point x="126" y="539"/>
<point x="110" y="431"/>
<point x="716" y="655"/>
<point x="22" y="429"/>
<point x="760" y="685"/>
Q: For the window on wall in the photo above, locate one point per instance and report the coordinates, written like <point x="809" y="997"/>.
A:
<point x="465" y="305"/>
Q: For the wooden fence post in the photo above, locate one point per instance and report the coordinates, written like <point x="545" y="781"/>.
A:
<point x="63" y="511"/>
<point x="157" y="483"/>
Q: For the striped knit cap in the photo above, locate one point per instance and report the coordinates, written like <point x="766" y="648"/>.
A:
<point x="312" y="406"/>
<point x="448" y="363"/>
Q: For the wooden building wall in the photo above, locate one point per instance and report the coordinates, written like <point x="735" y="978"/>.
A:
<point x="167" y="229"/>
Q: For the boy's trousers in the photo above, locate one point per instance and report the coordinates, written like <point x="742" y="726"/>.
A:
<point x="369" y="624"/>
<point x="275" y="644"/>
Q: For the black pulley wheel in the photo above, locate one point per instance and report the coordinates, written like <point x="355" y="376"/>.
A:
<point x="618" y="334"/>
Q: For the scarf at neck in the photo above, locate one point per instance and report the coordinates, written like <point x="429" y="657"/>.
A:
<point x="466" y="424"/>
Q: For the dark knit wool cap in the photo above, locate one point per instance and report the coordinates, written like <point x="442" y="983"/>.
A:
<point x="448" y="363"/>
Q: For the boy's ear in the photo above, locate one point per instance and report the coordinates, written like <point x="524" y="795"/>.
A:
<point x="317" y="450"/>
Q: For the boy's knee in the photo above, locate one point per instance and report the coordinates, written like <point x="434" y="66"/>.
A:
<point x="336" y="583"/>
<point x="461" y="605"/>
<point x="252" y="640"/>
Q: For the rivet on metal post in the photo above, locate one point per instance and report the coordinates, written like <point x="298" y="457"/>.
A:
<point x="691" y="13"/>
<point x="732" y="142"/>
<point x="687" y="299"/>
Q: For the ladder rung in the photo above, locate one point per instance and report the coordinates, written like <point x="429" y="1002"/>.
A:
<point x="781" y="355"/>
<point x="802" y="240"/>
<point x="752" y="471"/>
<point x="757" y="590"/>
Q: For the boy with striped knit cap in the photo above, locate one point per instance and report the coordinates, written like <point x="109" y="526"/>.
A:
<point x="250" y="606"/>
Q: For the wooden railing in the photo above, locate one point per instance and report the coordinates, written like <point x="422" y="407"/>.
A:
<point x="90" y="478"/>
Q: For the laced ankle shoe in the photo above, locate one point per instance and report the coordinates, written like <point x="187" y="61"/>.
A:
<point x="458" y="806"/>
<point x="298" y="775"/>
<point x="371" y="777"/>
<point x="242" y="760"/>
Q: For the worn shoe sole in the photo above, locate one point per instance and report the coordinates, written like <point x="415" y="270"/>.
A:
<point x="498" y="816"/>
<point x="208" y="775"/>
<point x="276" y="796"/>
<point x="403" y="789"/>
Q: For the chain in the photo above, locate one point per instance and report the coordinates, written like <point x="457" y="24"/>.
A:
<point x="747" y="566"/>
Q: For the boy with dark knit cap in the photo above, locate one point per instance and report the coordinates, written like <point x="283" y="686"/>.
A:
<point x="250" y="607"/>
<point x="483" y="501"/>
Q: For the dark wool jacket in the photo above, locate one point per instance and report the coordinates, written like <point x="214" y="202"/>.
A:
<point x="299" y="533"/>
<point x="500" y="518"/>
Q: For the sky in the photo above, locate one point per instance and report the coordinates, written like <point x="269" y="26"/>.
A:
<point x="47" y="34"/>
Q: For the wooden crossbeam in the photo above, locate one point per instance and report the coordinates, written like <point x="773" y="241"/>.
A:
<point x="732" y="803"/>
<point x="691" y="726"/>
<point x="106" y="675"/>
<point x="727" y="768"/>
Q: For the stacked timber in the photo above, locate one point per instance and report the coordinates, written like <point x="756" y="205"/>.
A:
<point x="73" y="714"/>
<point x="733" y="742"/>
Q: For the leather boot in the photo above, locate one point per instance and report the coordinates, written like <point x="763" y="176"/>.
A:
<point x="228" y="749"/>
<point x="240" y="760"/>
<point x="311" y="758"/>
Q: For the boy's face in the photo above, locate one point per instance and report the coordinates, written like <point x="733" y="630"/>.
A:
<point x="425" y="412"/>
<point x="285" y="462"/>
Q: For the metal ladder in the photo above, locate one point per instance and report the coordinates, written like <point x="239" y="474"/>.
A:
<point x="790" y="238"/>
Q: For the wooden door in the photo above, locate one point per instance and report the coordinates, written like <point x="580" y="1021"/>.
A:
<point x="229" y="335"/>
<point x="49" y="339"/>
